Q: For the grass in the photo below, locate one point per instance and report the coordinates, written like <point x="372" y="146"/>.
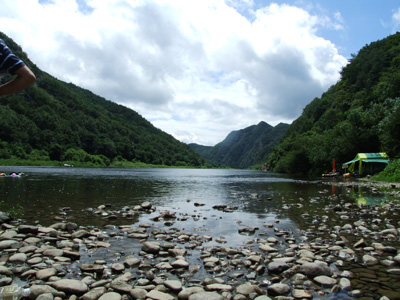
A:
<point x="51" y="163"/>
<point x="13" y="212"/>
<point x="390" y="174"/>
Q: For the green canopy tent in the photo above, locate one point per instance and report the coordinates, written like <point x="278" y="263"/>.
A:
<point x="381" y="158"/>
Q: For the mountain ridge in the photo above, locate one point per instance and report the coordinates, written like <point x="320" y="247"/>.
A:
<point x="243" y="148"/>
<point x="360" y="113"/>
<point x="55" y="120"/>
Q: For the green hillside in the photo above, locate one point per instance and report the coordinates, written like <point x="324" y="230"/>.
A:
<point x="54" y="120"/>
<point x="361" y="113"/>
<point x="244" y="148"/>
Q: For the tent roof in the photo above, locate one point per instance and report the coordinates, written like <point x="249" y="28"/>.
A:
<point x="370" y="157"/>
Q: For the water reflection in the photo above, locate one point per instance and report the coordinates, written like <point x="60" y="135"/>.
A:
<point x="45" y="190"/>
<point x="259" y="196"/>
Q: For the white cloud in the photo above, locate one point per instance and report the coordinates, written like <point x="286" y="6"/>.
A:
<point x="396" y="19"/>
<point x="195" y="69"/>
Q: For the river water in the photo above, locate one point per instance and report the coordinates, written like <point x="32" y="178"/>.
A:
<point x="48" y="194"/>
<point x="44" y="191"/>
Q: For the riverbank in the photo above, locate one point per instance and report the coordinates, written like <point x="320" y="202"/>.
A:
<point x="80" y="164"/>
<point x="392" y="188"/>
<point x="350" y="252"/>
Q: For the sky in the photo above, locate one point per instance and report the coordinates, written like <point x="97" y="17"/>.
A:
<point x="199" y="69"/>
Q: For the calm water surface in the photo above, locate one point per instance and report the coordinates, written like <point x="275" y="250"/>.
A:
<point x="45" y="191"/>
<point x="260" y="198"/>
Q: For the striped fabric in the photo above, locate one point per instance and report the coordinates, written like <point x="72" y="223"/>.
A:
<point x="8" y="61"/>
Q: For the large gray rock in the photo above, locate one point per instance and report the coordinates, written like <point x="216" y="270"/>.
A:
<point x="37" y="290"/>
<point x="267" y="248"/>
<point x="8" y="244"/>
<point x="4" y="218"/>
<point x="316" y="269"/>
<point x="345" y="284"/>
<point x="278" y="289"/>
<point x="174" y="285"/>
<point x="80" y="234"/>
<point x="53" y="252"/>
<point x="138" y="293"/>
<point x="397" y="258"/>
<point x="157" y="295"/>
<point x="205" y="296"/>
<point x="94" y="294"/>
<point x="277" y="267"/>
<point x="219" y="287"/>
<point x="146" y="205"/>
<point x="46" y="296"/>
<point x="8" y="234"/>
<point x="70" y="286"/>
<point x="111" y="296"/>
<point x="132" y="261"/>
<point x="185" y="293"/>
<point x="121" y="286"/>
<point x="245" y="289"/>
<point x="93" y="268"/>
<point x="370" y="260"/>
<point x="325" y="280"/>
<point x="6" y="271"/>
<point x="46" y="273"/>
<point x="151" y="247"/>
<point x="18" y="258"/>
<point x="180" y="263"/>
<point x="302" y="294"/>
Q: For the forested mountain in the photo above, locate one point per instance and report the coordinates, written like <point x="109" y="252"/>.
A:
<point x="361" y="113"/>
<point x="54" y="120"/>
<point x="244" y="148"/>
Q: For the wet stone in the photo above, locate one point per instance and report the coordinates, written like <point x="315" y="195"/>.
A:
<point x="121" y="286"/>
<point x="277" y="267"/>
<point x="5" y="281"/>
<point x="18" y="258"/>
<point x="151" y="247"/>
<point x="302" y="294"/>
<point x="205" y="296"/>
<point x="71" y="286"/>
<point x="110" y="296"/>
<point x="157" y="295"/>
<point x="46" y="273"/>
<point x="278" y="289"/>
<point x="138" y="293"/>
<point x="174" y="285"/>
<point x="92" y="268"/>
<point x="315" y="269"/>
<point x="370" y="260"/>
<point x="118" y="267"/>
<point x="325" y="280"/>
<point x="6" y="244"/>
<point x="218" y="287"/>
<point x="94" y="294"/>
<point x="394" y="271"/>
<point x="345" y="284"/>
<point x="185" y="293"/>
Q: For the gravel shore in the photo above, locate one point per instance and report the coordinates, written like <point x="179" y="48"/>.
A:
<point x="350" y="252"/>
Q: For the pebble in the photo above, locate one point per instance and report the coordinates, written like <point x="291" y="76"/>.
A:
<point x="111" y="296"/>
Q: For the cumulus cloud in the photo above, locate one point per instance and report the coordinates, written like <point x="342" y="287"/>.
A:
<point x="396" y="19"/>
<point x="195" y="69"/>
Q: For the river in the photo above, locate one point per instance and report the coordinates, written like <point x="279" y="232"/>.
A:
<point x="50" y="194"/>
<point x="45" y="192"/>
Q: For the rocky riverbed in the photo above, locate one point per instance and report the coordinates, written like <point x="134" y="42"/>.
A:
<point x="347" y="251"/>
